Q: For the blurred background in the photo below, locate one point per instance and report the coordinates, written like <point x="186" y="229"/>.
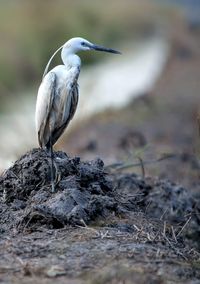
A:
<point x="140" y="107"/>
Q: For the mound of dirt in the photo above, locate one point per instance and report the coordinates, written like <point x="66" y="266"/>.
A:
<point x="83" y="189"/>
<point x="85" y="192"/>
<point x="94" y="219"/>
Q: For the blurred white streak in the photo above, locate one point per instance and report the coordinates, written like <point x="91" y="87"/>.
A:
<point x="111" y="84"/>
<point x="114" y="83"/>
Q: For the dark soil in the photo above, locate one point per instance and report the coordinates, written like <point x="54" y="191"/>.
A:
<point x="98" y="226"/>
<point x="83" y="188"/>
<point x="106" y="224"/>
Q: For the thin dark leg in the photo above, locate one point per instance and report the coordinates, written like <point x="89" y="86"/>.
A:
<point x="52" y="168"/>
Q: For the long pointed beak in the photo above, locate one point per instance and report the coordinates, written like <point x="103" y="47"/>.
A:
<point x="105" y="49"/>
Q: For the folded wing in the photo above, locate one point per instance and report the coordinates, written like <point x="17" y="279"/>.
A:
<point x="55" y="107"/>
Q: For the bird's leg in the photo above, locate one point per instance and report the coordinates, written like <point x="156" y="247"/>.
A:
<point x="52" y="168"/>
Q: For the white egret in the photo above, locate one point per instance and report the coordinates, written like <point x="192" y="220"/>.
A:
<point x="58" y="94"/>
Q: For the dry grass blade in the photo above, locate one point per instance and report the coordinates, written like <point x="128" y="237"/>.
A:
<point x="120" y="166"/>
<point x="142" y="167"/>
<point x="181" y="230"/>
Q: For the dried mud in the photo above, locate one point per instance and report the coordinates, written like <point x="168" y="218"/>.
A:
<point x="85" y="192"/>
<point x="95" y="219"/>
<point x="102" y="225"/>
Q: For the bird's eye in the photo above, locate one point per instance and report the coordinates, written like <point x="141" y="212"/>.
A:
<point x="83" y="43"/>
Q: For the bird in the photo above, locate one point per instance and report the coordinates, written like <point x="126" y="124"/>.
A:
<point x="58" y="94"/>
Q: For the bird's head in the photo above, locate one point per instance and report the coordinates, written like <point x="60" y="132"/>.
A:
<point x="77" y="44"/>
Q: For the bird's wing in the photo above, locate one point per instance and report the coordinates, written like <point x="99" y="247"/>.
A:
<point x="45" y="97"/>
<point x="67" y="107"/>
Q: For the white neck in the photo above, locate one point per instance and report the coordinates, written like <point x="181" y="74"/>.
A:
<point x="70" y="59"/>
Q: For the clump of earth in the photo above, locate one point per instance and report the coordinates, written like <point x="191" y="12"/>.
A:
<point x="86" y="192"/>
<point x="98" y="214"/>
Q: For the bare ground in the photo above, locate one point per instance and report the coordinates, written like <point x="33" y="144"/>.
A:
<point x="108" y="224"/>
<point x="98" y="227"/>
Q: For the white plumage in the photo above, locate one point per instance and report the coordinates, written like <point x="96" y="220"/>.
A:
<point x="58" y="94"/>
<point x="56" y="104"/>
